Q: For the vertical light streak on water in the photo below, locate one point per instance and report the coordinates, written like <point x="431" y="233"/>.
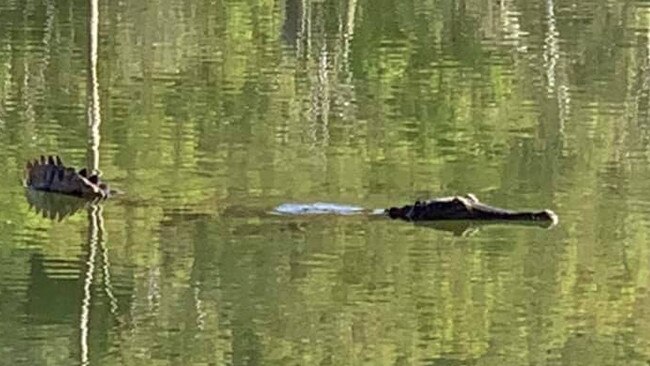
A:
<point x="550" y="47"/>
<point x="551" y="57"/>
<point x="108" y="286"/>
<point x="640" y="79"/>
<point x="323" y="93"/>
<point x="511" y="26"/>
<point x="303" y="27"/>
<point x="94" y="118"/>
<point x="644" y="85"/>
<point x="198" y="305"/>
<point x="94" y="212"/>
<point x="95" y="218"/>
<point x="307" y="26"/>
<point x="50" y="12"/>
<point x="347" y="39"/>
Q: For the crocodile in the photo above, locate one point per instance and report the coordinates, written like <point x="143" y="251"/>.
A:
<point x="466" y="207"/>
<point x="458" y="208"/>
<point x="51" y="175"/>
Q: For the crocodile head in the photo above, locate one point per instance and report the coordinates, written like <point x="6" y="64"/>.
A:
<point x="466" y="208"/>
<point x="448" y="208"/>
<point x="51" y="175"/>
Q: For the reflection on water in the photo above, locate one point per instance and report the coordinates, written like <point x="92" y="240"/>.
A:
<point x="53" y="206"/>
<point x="214" y="113"/>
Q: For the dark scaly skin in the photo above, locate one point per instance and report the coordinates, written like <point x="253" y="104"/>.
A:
<point x="464" y="208"/>
<point x="51" y="175"/>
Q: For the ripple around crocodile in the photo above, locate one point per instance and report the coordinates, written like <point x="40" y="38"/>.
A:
<point x="318" y="208"/>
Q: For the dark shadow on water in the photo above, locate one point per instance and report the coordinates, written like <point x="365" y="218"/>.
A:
<point x="469" y="227"/>
<point x="53" y="205"/>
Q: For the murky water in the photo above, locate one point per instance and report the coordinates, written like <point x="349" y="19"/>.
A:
<point x="208" y="114"/>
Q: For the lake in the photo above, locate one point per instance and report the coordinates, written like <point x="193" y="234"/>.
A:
<point x="208" y="114"/>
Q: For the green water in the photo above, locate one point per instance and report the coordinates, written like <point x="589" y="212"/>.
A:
<point x="211" y="113"/>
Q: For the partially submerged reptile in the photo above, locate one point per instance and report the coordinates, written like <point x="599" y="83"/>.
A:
<point x="51" y="175"/>
<point x="457" y="208"/>
<point x="466" y="207"/>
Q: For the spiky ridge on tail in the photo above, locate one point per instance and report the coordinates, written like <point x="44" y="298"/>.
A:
<point x="51" y="175"/>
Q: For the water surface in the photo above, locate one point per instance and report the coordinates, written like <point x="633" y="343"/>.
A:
<point x="215" y="112"/>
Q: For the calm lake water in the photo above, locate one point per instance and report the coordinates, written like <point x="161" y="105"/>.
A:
<point x="208" y="114"/>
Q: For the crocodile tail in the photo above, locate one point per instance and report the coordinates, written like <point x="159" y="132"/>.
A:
<point x="39" y="173"/>
<point x="50" y="174"/>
